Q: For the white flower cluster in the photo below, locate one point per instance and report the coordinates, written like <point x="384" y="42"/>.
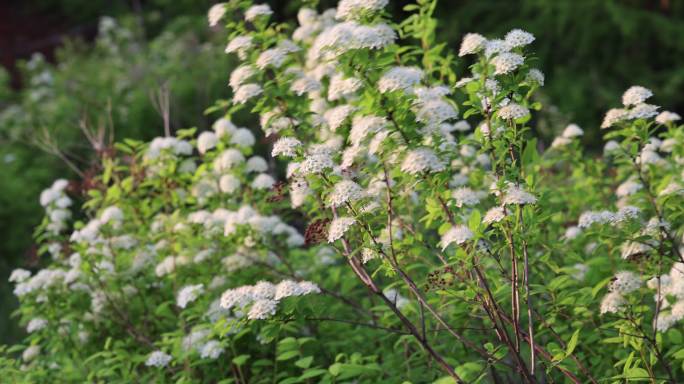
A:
<point x="623" y="283"/>
<point x="56" y="204"/>
<point x="158" y="359"/>
<point x="634" y="107"/>
<point x="458" y="235"/>
<point x="570" y="132"/>
<point x="263" y="297"/>
<point x="588" y="218"/>
<point x="188" y="294"/>
<point x="422" y="160"/>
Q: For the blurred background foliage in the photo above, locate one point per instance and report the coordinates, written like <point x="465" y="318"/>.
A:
<point x="104" y="65"/>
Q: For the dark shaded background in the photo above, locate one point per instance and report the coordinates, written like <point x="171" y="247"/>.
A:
<point x="590" y="51"/>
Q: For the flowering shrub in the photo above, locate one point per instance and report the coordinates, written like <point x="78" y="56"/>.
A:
<point x="417" y="234"/>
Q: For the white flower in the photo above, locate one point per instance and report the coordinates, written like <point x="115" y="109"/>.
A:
<point x="517" y="195"/>
<point x="513" y="111"/>
<point x="394" y="296"/>
<point x="421" y="160"/>
<point x="305" y="85"/>
<point x="263" y="181"/>
<point x="345" y="191"/>
<point x="572" y="131"/>
<point x="614" y="116"/>
<point x="627" y="188"/>
<point x="113" y="215"/>
<point x="188" y="294"/>
<point x="458" y="234"/>
<point x="338" y="227"/>
<point x="240" y="75"/>
<point x="507" y="62"/>
<point x="667" y="117"/>
<point x="335" y="117"/>
<point x="237" y="297"/>
<point x="158" y="359"/>
<point x="433" y="112"/>
<point x="19" y="275"/>
<point x="535" y="76"/>
<point x="341" y="87"/>
<point x="262" y="309"/>
<point x="642" y="111"/>
<point x="472" y="43"/>
<point x="315" y="163"/>
<point x="350" y="35"/>
<point x="612" y="303"/>
<point x="496" y="46"/>
<point x="572" y="232"/>
<point x="363" y="126"/>
<point x="285" y="146"/>
<point x="625" y="282"/>
<point x="351" y="9"/>
<point x="216" y="13"/>
<point x="257" y="10"/>
<point x="635" y="95"/>
<point x="560" y="142"/>
<point x="228" y="159"/>
<point x="211" y="350"/>
<point x="256" y="164"/>
<point x="240" y="45"/>
<point x="36" y="324"/>
<point x="494" y="215"/>
<point x="631" y="249"/>
<point x="223" y="127"/>
<point x="400" y="79"/>
<point x="274" y="57"/>
<point x="206" y="141"/>
<point x="465" y="196"/>
<point x="246" y="92"/>
<point x="193" y="340"/>
<point x="243" y="137"/>
<point x="30" y="353"/>
<point x="518" y="38"/>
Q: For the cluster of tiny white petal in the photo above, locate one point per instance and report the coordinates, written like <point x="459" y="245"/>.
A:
<point x="335" y="117"/>
<point x="341" y="87"/>
<point x="513" y="111"/>
<point x="188" y="294"/>
<point x="472" y="43"/>
<point x="421" y="160"/>
<point x="517" y="195"/>
<point x="257" y="10"/>
<point x="264" y="296"/>
<point x="506" y="62"/>
<point x="494" y="215"/>
<point x="345" y="191"/>
<point x="667" y="117"/>
<point x="465" y="196"/>
<point x="216" y="13"/>
<point x="286" y="146"/>
<point x="518" y="38"/>
<point x="635" y="95"/>
<point x="158" y="359"/>
<point x="240" y="75"/>
<point x="351" y="9"/>
<point x="56" y="204"/>
<point x="458" y="234"/>
<point x="240" y="45"/>
<point x="245" y="92"/>
<point x="400" y="79"/>
<point x="338" y="227"/>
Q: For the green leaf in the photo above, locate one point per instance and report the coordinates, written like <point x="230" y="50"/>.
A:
<point x="572" y="343"/>
<point x="304" y="362"/>
<point x="309" y="373"/>
<point x="240" y="360"/>
<point x="287" y="355"/>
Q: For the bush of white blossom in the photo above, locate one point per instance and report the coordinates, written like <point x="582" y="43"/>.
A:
<point x="403" y="226"/>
